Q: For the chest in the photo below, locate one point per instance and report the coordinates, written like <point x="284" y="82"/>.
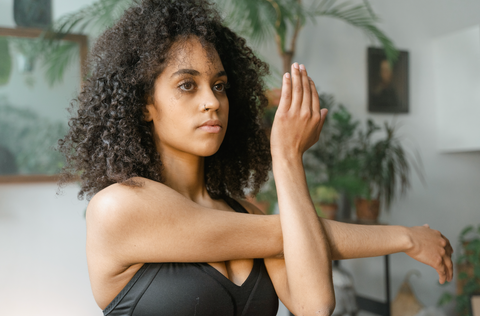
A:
<point x="237" y="271"/>
<point x="196" y="289"/>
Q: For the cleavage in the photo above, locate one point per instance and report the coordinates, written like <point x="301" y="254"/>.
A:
<point x="237" y="271"/>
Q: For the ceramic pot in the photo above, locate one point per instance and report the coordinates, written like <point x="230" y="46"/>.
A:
<point x="328" y="211"/>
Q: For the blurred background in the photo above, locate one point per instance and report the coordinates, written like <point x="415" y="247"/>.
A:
<point x="401" y="79"/>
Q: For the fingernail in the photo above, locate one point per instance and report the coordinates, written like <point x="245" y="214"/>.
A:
<point x="287" y="75"/>
<point x="302" y="67"/>
<point x="295" y="65"/>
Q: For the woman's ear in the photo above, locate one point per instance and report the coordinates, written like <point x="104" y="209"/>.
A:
<point x="148" y="112"/>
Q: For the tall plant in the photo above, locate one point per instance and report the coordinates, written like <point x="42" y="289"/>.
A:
<point x="384" y="165"/>
<point x="260" y="20"/>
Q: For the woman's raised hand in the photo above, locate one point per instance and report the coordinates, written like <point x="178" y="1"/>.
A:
<point x="299" y="119"/>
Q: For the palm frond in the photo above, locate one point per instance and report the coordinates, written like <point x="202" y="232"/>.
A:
<point x="360" y="16"/>
<point x="259" y="20"/>
<point x="101" y="14"/>
<point x="59" y="58"/>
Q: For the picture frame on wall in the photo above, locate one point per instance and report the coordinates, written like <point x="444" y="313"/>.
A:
<point x="388" y="90"/>
<point x="33" y="114"/>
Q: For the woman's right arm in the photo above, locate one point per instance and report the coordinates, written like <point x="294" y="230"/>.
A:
<point x="154" y="223"/>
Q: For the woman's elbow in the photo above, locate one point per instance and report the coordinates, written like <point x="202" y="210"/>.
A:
<point x="324" y="308"/>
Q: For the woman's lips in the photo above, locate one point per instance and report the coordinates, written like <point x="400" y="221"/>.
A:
<point x="211" y="126"/>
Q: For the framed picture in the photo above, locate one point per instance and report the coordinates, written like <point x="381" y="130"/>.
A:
<point x="387" y="84"/>
<point x="33" y="113"/>
<point x="475" y="304"/>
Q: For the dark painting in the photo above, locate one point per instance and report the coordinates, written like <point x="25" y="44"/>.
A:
<point x="32" y="13"/>
<point x="387" y="84"/>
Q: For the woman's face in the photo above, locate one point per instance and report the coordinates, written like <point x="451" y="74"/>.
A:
<point x="189" y="108"/>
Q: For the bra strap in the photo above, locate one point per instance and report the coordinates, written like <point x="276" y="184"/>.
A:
<point x="237" y="207"/>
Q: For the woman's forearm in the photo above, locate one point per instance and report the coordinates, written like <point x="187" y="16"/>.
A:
<point x="349" y="241"/>
<point x="306" y="248"/>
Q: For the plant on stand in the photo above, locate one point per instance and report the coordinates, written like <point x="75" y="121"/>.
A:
<point x="384" y="168"/>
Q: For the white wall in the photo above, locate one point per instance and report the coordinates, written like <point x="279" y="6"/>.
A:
<point x="335" y="57"/>
<point x="44" y="235"/>
<point x="43" y="270"/>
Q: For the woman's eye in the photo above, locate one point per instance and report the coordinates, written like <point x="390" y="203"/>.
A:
<point x="222" y="87"/>
<point x="187" y="86"/>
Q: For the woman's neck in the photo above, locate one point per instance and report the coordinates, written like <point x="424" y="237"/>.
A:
<point x="185" y="174"/>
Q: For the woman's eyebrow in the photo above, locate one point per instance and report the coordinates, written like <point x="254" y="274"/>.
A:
<point x="194" y="72"/>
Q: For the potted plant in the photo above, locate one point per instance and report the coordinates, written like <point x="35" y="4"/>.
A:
<point x="384" y="168"/>
<point x="468" y="271"/>
<point x="331" y="160"/>
<point x="325" y="201"/>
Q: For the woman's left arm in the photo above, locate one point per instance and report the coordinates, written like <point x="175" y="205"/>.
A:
<point x="351" y="241"/>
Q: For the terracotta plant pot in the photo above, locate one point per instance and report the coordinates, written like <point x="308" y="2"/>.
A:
<point x="328" y="211"/>
<point x="367" y="210"/>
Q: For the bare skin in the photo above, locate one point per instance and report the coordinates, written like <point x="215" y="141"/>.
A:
<point x="178" y="221"/>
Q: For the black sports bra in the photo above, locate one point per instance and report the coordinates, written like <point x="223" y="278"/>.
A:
<point x="195" y="289"/>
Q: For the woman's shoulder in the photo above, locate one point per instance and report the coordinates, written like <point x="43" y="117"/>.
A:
<point x="120" y="200"/>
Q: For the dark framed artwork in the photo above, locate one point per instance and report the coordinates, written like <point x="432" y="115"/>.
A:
<point x="387" y="85"/>
<point x="32" y="13"/>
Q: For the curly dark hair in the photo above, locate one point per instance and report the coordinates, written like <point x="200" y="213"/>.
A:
<point x="110" y="142"/>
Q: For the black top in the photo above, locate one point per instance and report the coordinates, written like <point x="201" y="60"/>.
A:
<point x="195" y="289"/>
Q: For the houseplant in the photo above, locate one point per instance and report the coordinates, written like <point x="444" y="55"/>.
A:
<point x="384" y="168"/>
<point x="331" y="160"/>
<point x="468" y="271"/>
<point x="325" y="200"/>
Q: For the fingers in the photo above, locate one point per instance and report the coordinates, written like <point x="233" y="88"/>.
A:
<point x="307" y="94"/>
<point x="315" y="98"/>
<point x="286" y="95"/>
<point x="448" y="259"/>
<point x="297" y="88"/>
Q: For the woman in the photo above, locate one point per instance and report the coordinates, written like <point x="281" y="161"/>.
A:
<point x="165" y="229"/>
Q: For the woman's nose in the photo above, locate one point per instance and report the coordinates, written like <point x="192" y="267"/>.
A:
<point x="209" y="102"/>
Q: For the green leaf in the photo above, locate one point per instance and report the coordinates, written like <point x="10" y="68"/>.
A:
<point x="446" y="298"/>
<point x="462" y="275"/>
<point x="465" y="231"/>
<point x="60" y="57"/>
